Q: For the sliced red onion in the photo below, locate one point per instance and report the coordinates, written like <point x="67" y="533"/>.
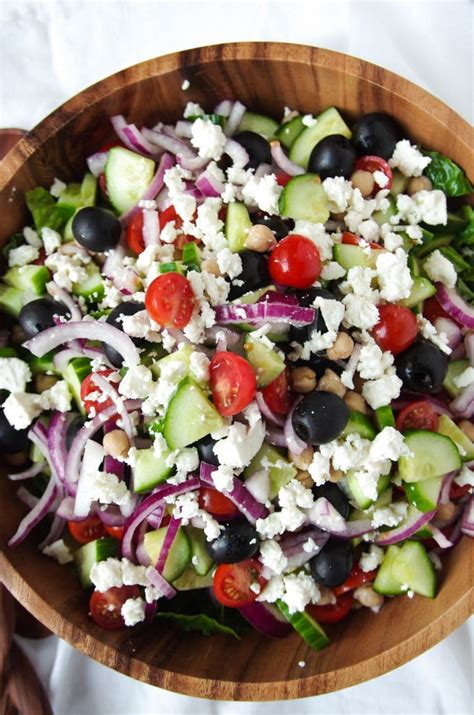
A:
<point x="467" y="519"/>
<point x="469" y="344"/>
<point x="224" y="108"/>
<point x="292" y="546"/>
<point x="168" y="143"/>
<point x="236" y="152"/>
<point x="141" y="553"/>
<point x="273" y="296"/>
<point x="263" y="170"/>
<point x="255" y="313"/>
<point x="235" y="117"/>
<point x="165" y="163"/>
<point x="170" y="535"/>
<point x="463" y="404"/>
<point x="62" y="358"/>
<point x="55" y="531"/>
<point x="455" y="306"/>
<point x="445" y="487"/>
<point x="161" y="583"/>
<point x="131" y="137"/>
<point x="88" y="330"/>
<point x="458" y="353"/>
<point x="40" y="431"/>
<point x="294" y="443"/>
<point x="66" y="510"/>
<point x="123" y="277"/>
<point x="96" y="162"/>
<point x="440" y="538"/>
<point x="44" y="505"/>
<point x="326" y="517"/>
<point x="275" y="436"/>
<point x="269" y="415"/>
<point x="156" y="517"/>
<point x="226" y="336"/>
<point x="32" y="471"/>
<point x="239" y="495"/>
<point x="282" y="160"/>
<point x="450" y="329"/>
<point x="193" y="163"/>
<point x="264" y="619"/>
<point x="26" y="497"/>
<point x="409" y="526"/>
<point x="57" y="430"/>
<point x="111" y="515"/>
<point x="259" y="485"/>
<point x="184" y="129"/>
<point x="37" y="437"/>
<point x="151" y="227"/>
<point x="209" y="185"/>
<point x="63" y="296"/>
<point x="113" y="466"/>
<point x="108" y="391"/>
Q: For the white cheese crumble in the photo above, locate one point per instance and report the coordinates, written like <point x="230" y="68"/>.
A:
<point x="229" y="263"/>
<point x="32" y="237"/>
<point x="380" y="392"/>
<point x="199" y="366"/>
<point x="21" y="408"/>
<point x="57" y="188"/>
<point x="338" y="192"/>
<point x="68" y="270"/>
<point x="14" y="374"/>
<point x="429" y="332"/>
<point x="263" y="192"/>
<point x="465" y="379"/>
<point x="371" y="559"/>
<point x="360" y="299"/>
<point x="332" y="271"/>
<point x="309" y="121"/>
<point x="272" y="556"/>
<point x="193" y="109"/>
<point x="58" y="550"/>
<point x="296" y="590"/>
<point x="317" y="233"/>
<point x="380" y="179"/>
<point x="22" y="255"/>
<point x="136" y="383"/>
<point x="465" y="477"/>
<point x="51" y="240"/>
<point x="394" y="276"/>
<point x="408" y="159"/>
<point x="428" y="206"/>
<point x="242" y="443"/>
<point x="373" y="362"/>
<point x="223" y="478"/>
<point x="133" y="611"/>
<point x="439" y="268"/>
<point x="208" y="139"/>
<point x="185" y="85"/>
<point x="390" y="515"/>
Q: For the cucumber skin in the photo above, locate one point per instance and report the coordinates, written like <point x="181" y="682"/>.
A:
<point x="409" y="467"/>
<point x="149" y="471"/>
<point x="267" y="364"/>
<point x="179" y="437"/>
<point x="125" y="187"/>
<point x="85" y="558"/>
<point x="328" y="122"/>
<point x="308" y="628"/>
<point x="179" y="555"/>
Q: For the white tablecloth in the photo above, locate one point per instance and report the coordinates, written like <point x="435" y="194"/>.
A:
<point x="51" y="50"/>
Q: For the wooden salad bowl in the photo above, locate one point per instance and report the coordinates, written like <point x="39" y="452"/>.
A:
<point x="265" y="77"/>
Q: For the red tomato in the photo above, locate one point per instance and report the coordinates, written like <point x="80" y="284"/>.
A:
<point x="109" y="145"/>
<point x="232" y="583"/>
<point x="115" y="531"/>
<point x="135" y="233"/>
<point x="352" y="240"/>
<point x="432" y="309"/>
<point x="88" y="387"/>
<point x="397" y="328"/>
<point x="282" y="179"/>
<point x="277" y="394"/>
<point x="168" y="215"/>
<point x="333" y="612"/>
<point x="456" y="491"/>
<point x="375" y="163"/>
<point x="169" y="300"/>
<point x="216" y="503"/>
<point x="103" y="183"/>
<point x="356" y="578"/>
<point x="41" y="258"/>
<point x="105" y="608"/>
<point x="418" y="415"/>
<point x="233" y="383"/>
<point x="295" y="262"/>
<point x="88" y="530"/>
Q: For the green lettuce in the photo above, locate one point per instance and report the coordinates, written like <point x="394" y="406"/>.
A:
<point x="45" y="211"/>
<point x="446" y="175"/>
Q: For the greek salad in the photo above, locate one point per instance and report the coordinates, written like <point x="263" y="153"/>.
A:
<point x="237" y="370"/>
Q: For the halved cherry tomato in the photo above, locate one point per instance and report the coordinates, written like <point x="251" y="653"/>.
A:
<point x="277" y="394"/>
<point x="88" y="530"/>
<point x="105" y="607"/>
<point x="457" y="491"/>
<point x="397" y="328"/>
<point x="115" y="531"/>
<point x="233" y="383"/>
<point x="169" y="300"/>
<point x="282" y="179"/>
<point x="216" y="503"/>
<point x="432" y="309"/>
<point x="232" y="583"/>
<point x="88" y="387"/>
<point x="41" y="258"/>
<point x="295" y="262"/>
<point x="135" y="233"/>
<point x="168" y="215"/>
<point x="352" y="240"/>
<point x="333" y="612"/>
<point x="418" y="415"/>
<point x="356" y="578"/>
<point x="375" y="163"/>
<point x="103" y="183"/>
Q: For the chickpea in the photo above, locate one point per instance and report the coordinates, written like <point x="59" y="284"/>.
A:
<point x="304" y="478"/>
<point x="116" y="443"/>
<point x="44" y="382"/>
<point x="303" y="460"/>
<point x="446" y="511"/>
<point x="330" y="382"/>
<point x="356" y="402"/>
<point x="342" y="348"/>
<point x="338" y="216"/>
<point x="303" y="379"/>
<point x="210" y="265"/>
<point x="419" y="183"/>
<point x="364" y="181"/>
<point x="335" y="475"/>
<point x="468" y="429"/>
<point x="368" y="597"/>
<point x="260" y="238"/>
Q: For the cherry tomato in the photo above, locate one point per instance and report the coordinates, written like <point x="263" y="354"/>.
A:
<point x="105" y="608"/>
<point x="356" y="578"/>
<point x="397" y="328"/>
<point x="41" y="258"/>
<point x="277" y="394"/>
<point x="418" y="415"/>
<point x="232" y="583"/>
<point x="295" y="262"/>
<point x="432" y="309"/>
<point x="233" y="383"/>
<point x="168" y="215"/>
<point x="103" y="183"/>
<point x="375" y="163"/>
<point x="135" y="233"/>
<point x="88" y="387"/>
<point x="216" y="503"/>
<point x="115" y="531"/>
<point x="282" y="179"/>
<point x="88" y="530"/>
<point x="169" y="300"/>
<point x="333" y="612"/>
<point x="352" y="240"/>
<point x="456" y="491"/>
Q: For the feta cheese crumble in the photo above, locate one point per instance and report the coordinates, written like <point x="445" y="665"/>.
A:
<point x="439" y="268"/>
<point x="408" y="159"/>
<point x="22" y="255"/>
<point x="208" y="139"/>
<point x="371" y="559"/>
<point x="133" y="611"/>
<point x="394" y="276"/>
<point x="58" y="550"/>
<point x="14" y="374"/>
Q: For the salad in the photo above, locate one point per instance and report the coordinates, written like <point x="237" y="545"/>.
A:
<point x="237" y="370"/>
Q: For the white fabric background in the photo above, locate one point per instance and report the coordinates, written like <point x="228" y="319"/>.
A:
<point x="51" y="50"/>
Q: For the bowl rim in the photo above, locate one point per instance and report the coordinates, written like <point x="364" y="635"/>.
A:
<point x="310" y="685"/>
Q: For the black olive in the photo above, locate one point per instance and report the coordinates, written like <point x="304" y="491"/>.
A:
<point x="39" y="314"/>
<point x="333" y="564"/>
<point x="12" y="440"/>
<point x="320" y="417"/>
<point x="306" y="298"/>
<point x="336" y="496"/>
<point x="115" y="318"/>
<point x="332" y="156"/>
<point x="422" y="367"/>
<point x="237" y="542"/>
<point x="280" y="228"/>
<point x="205" y="450"/>
<point x="375" y="134"/>
<point x="254" y="274"/>
<point x="256" y="147"/>
<point x="96" y="229"/>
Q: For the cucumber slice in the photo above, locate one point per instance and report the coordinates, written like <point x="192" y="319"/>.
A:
<point x="201" y="560"/>
<point x="237" y="224"/>
<point x="447" y="427"/>
<point x="384" y="417"/>
<point x="414" y="568"/>
<point x="128" y="176"/>
<point x="192" y="256"/>
<point x="67" y="233"/>
<point x="92" y="289"/>
<point x="12" y="300"/>
<point x="288" y="132"/>
<point x="190" y="580"/>
<point x="421" y="290"/>
<point x="455" y="369"/>
<point x="172" y="267"/>
<point x="149" y="470"/>
<point x="280" y="470"/>
<point x="432" y="455"/>
<point x="328" y="122"/>
<point x="358" y="423"/>
<point x="304" y="199"/>
<point x="189" y="417"/>
<point x="350" y="486"/>
<point x="71" y="196"/>
<point x="93" y="552"/>
<point x="9" y="353"/>
<point x="30" y="277"/>
<point x="399" y="183"/>
<point x="88" y="190"/>
<point x="386" y="581"/>
<point x="424" y="495"/>
<point x="306" y="626"/>
<point x="382" y="217"/>
<point x="265" y="361"/>
<point x="44" y="364"/>
<point x="75" y="372"/>
<point x="349" y="256"/>
<point x="179" y="555"/>
<point x="183" y="355"/>
<point x="260" y="124"/>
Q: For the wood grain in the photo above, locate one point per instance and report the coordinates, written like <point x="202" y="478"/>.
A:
<point x="266" y="77"/>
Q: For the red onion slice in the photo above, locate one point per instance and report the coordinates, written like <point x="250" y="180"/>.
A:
<point x="467" y="519"/>
<point x="193" y="163"/>
<point x="107" y="390"/>
<point x="450" y="329"/>
<point x="259" y="485"/>
<point x="283" y="162"/>
<point x="469" y="344"/>
<point x="224" y="108"/>
<point x="235" y="117"/>
<point x="269" y="415"/>
<point x="407" y="528"/>
<point x="26" y="497"/>
<point x="171" y="531"/>
<point x="455" y="306"/>
<point x="294" y="443"/>
<point x="265" y="620"/>
<point x="255" y="313"/>
<point x="63" y="296"/>
<point x="169" y="143"/>
<point x="463" y="404"/>
<point x="151" y="227"/>
<point x="165" y="163"/>
<point x="275" y="436"/>
<point x="239" y="494"/>
<point x="62" y="358"/>
<point x="326" y="517"/>
<point x="236" y="152"/>
<point x="32" y="471"/>
<point x="156" y="517"/>
<point x="131" y="137"/>
<point x="96" y="162"/>
<point x="161" y="583"/>
<point x="57" y="430"/>
<point x="440" y="538"/>
<point x="44" y="505"/>
<point x="445" y="487"/>
<point x="209" y="185"/>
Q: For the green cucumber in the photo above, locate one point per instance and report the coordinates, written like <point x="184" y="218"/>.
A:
<point x="424" y="533"/>
<point x="265" y="361"/>
<point x="88" y="190"/>
<point x="455" y="368"/>
<point x="413" y="567"/>
<point x="149" y="470"/>
<point x="384" y="417"/>
<point x="30" y="277"/>
<point x="349" y="256"/>
<point x="179" y="555"/>
<point x="424" y="495"/>
<point x="200" y="560"/>
<point x="399" y="183"/>
<point x="9" y="353"/>
<point x="128" y="176"/>
<point x="74" y="373"/>
<point x="431" y="244"/>
<point x="288" y="132"/>
<point x="190" y="580"/>
<point x="306" y="626"/>
<point x="260" y="124"/>
<point x="237" y="224"/>
<point x="382" y="217"/>
<point x="12" y="300"/>
<point x="304" y="199"/>
<point x="93" y="552"/>
<point x="92" y="289"/>
<point x="466" y="447"/>
<point x="432" y="455"/>
<point x="280" y="470"/>
<point x="189" y="417"/>
<point x="358" y="423"/>
<point x="421" y="290"/>
<point x="351" y="487"/>
<point x="42" y="365"/>
<point x="182" y="355"/>
<point x="328" y="122"/>
<point x="386" y="582"/>
<point x="192" y="256"/>
<point x="71" y="196"/>
<point x="172" y="267"/>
